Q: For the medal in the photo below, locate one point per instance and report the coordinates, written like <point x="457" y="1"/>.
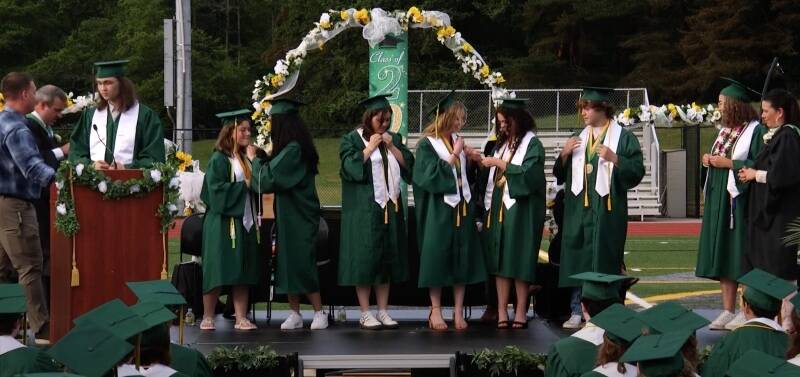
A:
<point x="589" y="168"/>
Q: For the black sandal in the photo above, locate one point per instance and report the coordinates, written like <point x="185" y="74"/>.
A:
<point x="522" y="325"/>
<point x="503" y="325"/>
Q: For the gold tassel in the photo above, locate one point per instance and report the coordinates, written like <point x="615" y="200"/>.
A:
<point x="585" y="189"/>
<point x="396" y="207"/>
<point x="386" y="214"/>
<point x="436" y="123"/>
<point x="489" y="219"/>
<point x="609" y="202"/>
<point x="164" y="275"/>
<point x="138" y="351"/>
<point x="458" y="218"/>
<point x="464" y="209"/>
<point x="76" y="275"/>
<point x="500" y="221"/>
<point x="233" y="234"/>
<point x="180" y="324"/>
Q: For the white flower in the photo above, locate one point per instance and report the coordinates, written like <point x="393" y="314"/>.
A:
<point x="155" y="175"/>
<point x="60" y="185"/>
<point x="281" y="67"/>
<point x="172" y="208"/>
<point x="79" y="169"/>
<point x="102" y="187"/>
<point x="174" y="182"/>
<point x="325" y="18"/>
<point x="134" y="189"/>
<point x="61" y="208"/>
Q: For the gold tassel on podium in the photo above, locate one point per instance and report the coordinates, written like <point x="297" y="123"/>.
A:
<point x="164" y="275"/>
<point x="76" y="275"/>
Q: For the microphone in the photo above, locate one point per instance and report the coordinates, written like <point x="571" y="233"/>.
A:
<point x="94" y="127"/>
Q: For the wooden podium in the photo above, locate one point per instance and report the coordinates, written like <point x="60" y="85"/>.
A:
<point x="118" y="241"/>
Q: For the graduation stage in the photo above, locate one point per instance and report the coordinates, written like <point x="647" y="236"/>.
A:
<point x="413" y="345"/>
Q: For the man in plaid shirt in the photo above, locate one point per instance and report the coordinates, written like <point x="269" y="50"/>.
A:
<point x="23" y="175"/>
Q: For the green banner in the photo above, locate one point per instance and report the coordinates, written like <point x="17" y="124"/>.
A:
<point x="388" y="74"/>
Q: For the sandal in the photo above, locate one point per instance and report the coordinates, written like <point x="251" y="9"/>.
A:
<point x="207" y="324"/>
<point x="516" y="325"/>
<point x="436" y="327"/>
<point x="244" y="325"/>
<point x="502" y="325"/>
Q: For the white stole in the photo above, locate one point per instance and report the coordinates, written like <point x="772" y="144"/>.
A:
<point x="610" y="369"/>
<point x="379" y="183"/>
<point x="126" y="370"/>
<point x="740" y="151"/>
<point x="519" y="156"/>
<point x="157" y="370"/>
<point x="238" y="176"/>
<point x="605" y="168"/>
<point x="765" y="321"/>
<point x="8" y="344"/>
<point x="463" y="190"/>
<point x="591" y="333"/>
<point x="125" y="139"/>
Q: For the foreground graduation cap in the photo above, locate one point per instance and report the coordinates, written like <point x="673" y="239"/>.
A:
<point x="513" y="103"/>
<point x="596" y="94"/>
<point x="234" y="116"/>
<point x="620" y="323"/>
<point x="285" y="106"/>
<point x="50" y="374"/>
<point x="600" y="287"/>
<point x="658" y="355"/>
<point x="117" y="317"/>
<point x="755" y="363"/>
<point x="671" y="316"/>
<point x="12" y="299"/>
<point x="153" y="313"/>
<point x="739" y="91"/>
<point x="161" y="291"/>
<point x="765" y="290"/>
<point x="376" y="102"/>
<point x="90" y="350"/>
<point x="115" y="68"/>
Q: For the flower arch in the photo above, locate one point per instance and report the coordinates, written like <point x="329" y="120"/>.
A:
<point x="377" y="24"/>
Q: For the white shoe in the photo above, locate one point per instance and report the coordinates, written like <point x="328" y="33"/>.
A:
<point x="320" y="321"/>
<point x="368" y="321"/>
<point x="736" y="321"/>
<point x="574" y="322"/>
<point x="387" y="321"/>
<point x="722" y="319"/>
<point x="294" y="321"/>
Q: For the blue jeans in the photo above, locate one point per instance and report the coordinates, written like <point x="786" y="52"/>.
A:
<point x="575" y="301"/>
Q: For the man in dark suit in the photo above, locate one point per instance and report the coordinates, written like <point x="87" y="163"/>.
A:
<point x="50" y="103"/>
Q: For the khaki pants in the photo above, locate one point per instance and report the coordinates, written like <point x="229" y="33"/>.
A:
<point x="21" y="251"/>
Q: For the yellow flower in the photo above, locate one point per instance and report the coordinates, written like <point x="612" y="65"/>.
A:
<point x="696" y="107"/>
<point x="485" y="70"/>
<point x="187" y="211"/>
<point x="256" y="115"/>
<point x="2" y="102"/>
<point x="70" y="103"/>
<point x="362" y="16"/>
<point x="182" y="166"/>
<point x="277" y="80"/>
<point x="627" y="113"/>
<point x="467" y="48"/>
<point x="415" y="15"/>
<point x="500" y="79"/>
<point x="325" y="25"/>
<point x="268" y="126"/>
<point x="446" y="32"/>
<point x="344" y="15"/>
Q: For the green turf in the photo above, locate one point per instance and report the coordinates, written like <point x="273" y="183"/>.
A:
<point x="650" y="290"/>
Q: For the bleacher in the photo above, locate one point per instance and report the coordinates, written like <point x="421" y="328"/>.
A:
<point x="643" y="200"/>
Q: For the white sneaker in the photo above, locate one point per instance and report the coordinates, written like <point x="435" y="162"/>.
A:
<point x="575" y="321"/>
<point x="320" y="321"/>
<point x="736" y="321"/>
<point x="722" y="319"/>
<point x="387" y="321"/>
<point x="368" y="321"/>
<point x="294" y="321"/>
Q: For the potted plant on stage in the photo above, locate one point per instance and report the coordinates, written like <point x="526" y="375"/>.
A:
<point x="252" y="362"/>
<point x="508" y="362"/>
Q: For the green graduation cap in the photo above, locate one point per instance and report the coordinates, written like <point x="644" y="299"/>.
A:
<point x="376" y="102"/>
<point x="114" y="68"/>
<point x="234" y="116"/>
<point x="671" y="316"/>
<point x="285" y="106"/>
<point x="161" y="291"/>
<point x="600" y="287"/>
<point x="117" y="317"/>
<point x="513" y="103"/>
<point x="739" y="91"/>
<point x="755" y="363"/>
<point x="620" y="323"/>
<point x="153" y="313"/>
<point x="765" y="290"/>
<point x="658" y="355"/>
<point x="596" y="94"/>
<point x="12" y="299"/>
<point x="443" y="104"/>
<point x="90" y="350"/>
<point x="50" y="374"/>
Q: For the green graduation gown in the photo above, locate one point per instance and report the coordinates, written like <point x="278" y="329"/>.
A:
<point x="189" y="361"/>
<point x="574" y="355"/>
<point x="148" y="146"/>
<point x="23" y="360"/>
<point x="372" y="251"/>
<point x="752" y="335"/>
<point x="721" y="248"/>
<point x="297" y="214"/>
<point x="594" y="237"/>
<point x="227" y="262"/>
<point x="512" y="246"/>
<point x="449" y="253"/>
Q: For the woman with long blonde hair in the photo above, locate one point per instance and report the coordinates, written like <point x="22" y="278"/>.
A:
<point x="450" y="251"/>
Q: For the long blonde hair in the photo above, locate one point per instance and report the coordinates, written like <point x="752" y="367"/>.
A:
<point x="227" y="144"/>
<point x="444" y="122"/>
